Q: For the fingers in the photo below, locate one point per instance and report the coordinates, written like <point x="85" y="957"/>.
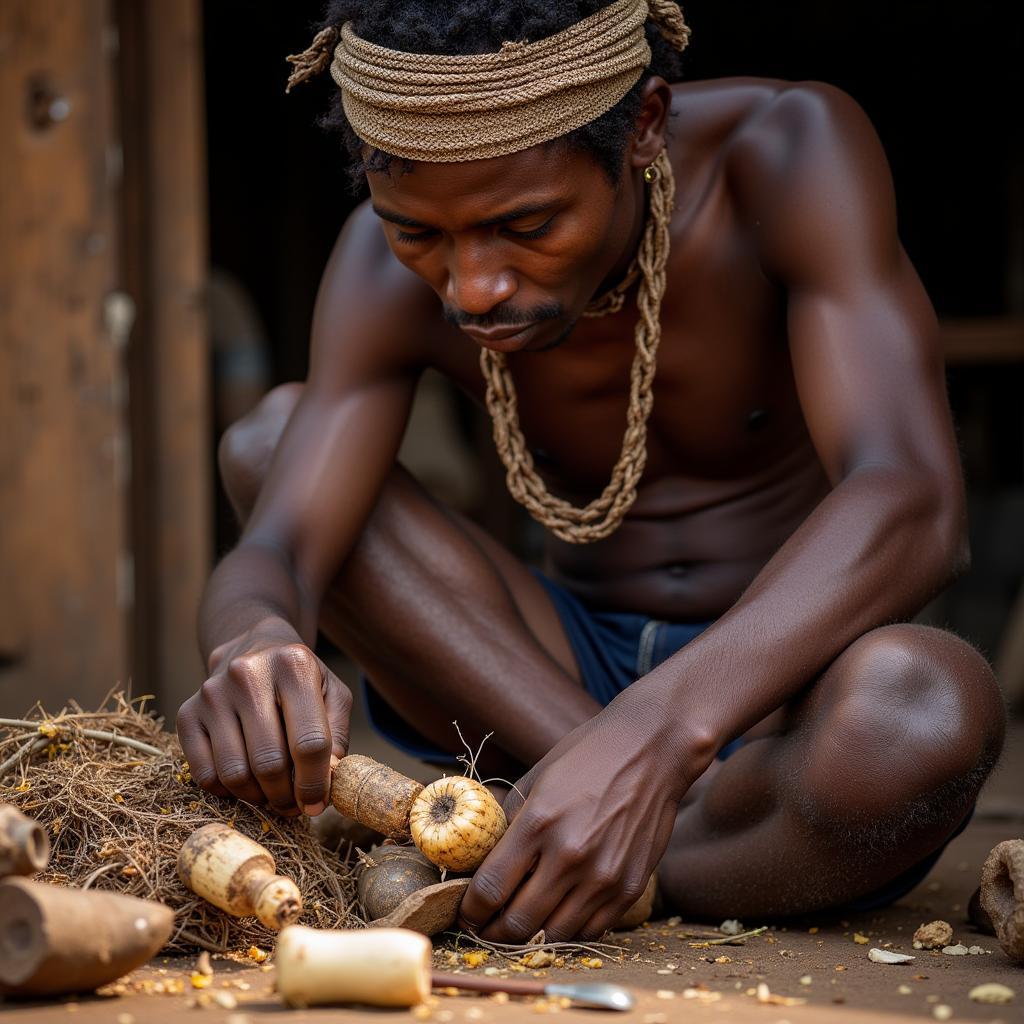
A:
<point x="267" y="751"/>
<point x="195" y="744"/>
<point x="300" y="692"/>
<point x="497" y="879"/>
<point x="338" y="701"/>
<point x="529" y="909"/>
<point x="232" y="763"/>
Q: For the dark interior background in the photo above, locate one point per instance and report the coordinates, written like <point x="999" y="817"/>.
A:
<point x="942" y="82"/>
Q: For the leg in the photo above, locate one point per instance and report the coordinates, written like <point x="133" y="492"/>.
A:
<point x="876" y="766"/>
<point x="446" y="623"/>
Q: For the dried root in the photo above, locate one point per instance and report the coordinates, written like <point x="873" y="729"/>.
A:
<point x="114" y="794"/>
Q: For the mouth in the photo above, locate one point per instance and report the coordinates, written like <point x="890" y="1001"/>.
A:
<point x="503" y="339"/>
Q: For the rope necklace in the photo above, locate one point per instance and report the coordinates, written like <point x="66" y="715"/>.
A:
<point x="605" y="514"/>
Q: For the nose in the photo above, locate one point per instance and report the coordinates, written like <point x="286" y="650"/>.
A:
<point x="476" y="285"/>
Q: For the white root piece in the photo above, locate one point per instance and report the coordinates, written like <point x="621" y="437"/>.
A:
<point x="885" y="956"/>
<point x="24" y="847"/>
<point x="237" y="875"/>
<point x="373" y="794"/>
<point x="373" y="967"/>
<point x="55" y="939"/>
<point x="455" y="822"/>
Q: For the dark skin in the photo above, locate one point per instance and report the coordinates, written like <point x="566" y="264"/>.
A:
<point x="802" y="489"/>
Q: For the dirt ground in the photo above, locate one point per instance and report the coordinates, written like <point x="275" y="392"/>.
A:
<point x="819" y="961"/>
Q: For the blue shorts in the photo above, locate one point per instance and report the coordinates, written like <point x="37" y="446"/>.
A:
<point x="613" y="650"/>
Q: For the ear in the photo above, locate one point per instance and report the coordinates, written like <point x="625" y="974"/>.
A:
<point x="651" y="122"/>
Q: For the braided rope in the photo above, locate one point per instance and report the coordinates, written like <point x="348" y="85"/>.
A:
<point x="443" y="108"/>
<point x="605" y="514"/>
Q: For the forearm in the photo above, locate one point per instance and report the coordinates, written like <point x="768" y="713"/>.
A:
<point x="874" y="551"/>
<point x="250" y="587"/>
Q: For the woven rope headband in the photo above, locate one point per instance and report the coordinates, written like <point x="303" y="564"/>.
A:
<point x="444" y="109"/>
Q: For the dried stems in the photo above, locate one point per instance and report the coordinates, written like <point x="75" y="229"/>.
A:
<point x="116" y="820"/>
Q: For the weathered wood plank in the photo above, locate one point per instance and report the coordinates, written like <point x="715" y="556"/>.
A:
<point x="62" y="435"/>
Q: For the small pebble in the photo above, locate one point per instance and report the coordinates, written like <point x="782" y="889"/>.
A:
<point x="731" y="927"/>
<point x="942" y="1012"/>
<point x="665" y="993"/>
<point x="806" y="980"/>
<point x="958" y="950"/>
<point x="933" y="935"/>
<point x="125" y="1018"/>
<point x="225" y="1000"/>
<point x="992" y="993"/>
<point x="905" y="990"/>
<point x="976" y="950"/>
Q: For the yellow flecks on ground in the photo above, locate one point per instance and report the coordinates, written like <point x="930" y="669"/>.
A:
<point x="861" y="940"/>
<point x="421" y="1012"/>
<point x="813" y="931"/>
<point x="257" y="954"/>
<point x="47" y="729"/>
<point x="200" y="980"/>
<point x="475" y="957"/>
<point x="592" y="963"/>
<point x="23" y="787"/>
<point x="264" y="827"/>
<point x="117" y="798"/>
<point x="56" y="826"/>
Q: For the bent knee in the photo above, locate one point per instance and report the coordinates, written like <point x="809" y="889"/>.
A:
<point x="247" y="447"/>
<point x="910" y="710"/>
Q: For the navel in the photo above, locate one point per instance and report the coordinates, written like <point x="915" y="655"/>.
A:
<point x="757" y="419"/>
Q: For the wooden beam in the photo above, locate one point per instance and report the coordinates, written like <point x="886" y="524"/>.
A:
<point x="981" y="340"/>
<point x="165" y="269"/>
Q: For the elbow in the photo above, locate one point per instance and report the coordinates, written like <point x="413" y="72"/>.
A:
<point x="951" y="542"/>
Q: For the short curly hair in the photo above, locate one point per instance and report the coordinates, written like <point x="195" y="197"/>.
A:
<point x="481" y="26"/>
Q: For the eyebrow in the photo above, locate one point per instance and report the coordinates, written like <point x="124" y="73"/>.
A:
<point x="518" y="213"/>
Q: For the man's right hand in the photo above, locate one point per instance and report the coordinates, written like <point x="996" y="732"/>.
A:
<point x="266" y="723"/>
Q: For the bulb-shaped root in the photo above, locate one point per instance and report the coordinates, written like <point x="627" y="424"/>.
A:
<point x="455" y="823"/>
<point x="389" y="875"/>
<point x="54" y="939"/>
<point x="373" y="794"/>
<point x="378" y="967"/>
<point x="24" y="848"/>
<point x="238" y="875"/>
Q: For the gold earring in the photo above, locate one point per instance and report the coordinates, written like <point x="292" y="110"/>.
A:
<point x="651" y="174"/>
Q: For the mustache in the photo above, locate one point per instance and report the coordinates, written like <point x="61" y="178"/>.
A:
<point x="503" y="316"/>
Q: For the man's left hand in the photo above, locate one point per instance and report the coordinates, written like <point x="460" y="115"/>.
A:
<point x="588" y="825"/>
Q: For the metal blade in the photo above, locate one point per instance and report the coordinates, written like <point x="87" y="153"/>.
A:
<point x="599" y="996"/>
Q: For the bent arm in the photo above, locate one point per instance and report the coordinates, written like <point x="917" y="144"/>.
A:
<point x="869" y="374"/>
<point x="265" y="723"/>
<point x="338" y="447"/>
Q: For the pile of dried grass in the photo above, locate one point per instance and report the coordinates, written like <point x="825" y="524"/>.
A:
<point x="113" y="792"/>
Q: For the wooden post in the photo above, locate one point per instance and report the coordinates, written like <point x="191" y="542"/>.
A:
<point x="64" y="597"/>
<point x="165" y="270"/>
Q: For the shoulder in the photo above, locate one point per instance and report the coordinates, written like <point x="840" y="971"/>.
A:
<point x="809" y="177"/>
<point x="369" y="307"/>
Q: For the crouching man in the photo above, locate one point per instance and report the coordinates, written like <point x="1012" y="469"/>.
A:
<point x="715" y="379"/>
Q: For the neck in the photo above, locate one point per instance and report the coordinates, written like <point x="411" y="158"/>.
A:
<point x="627" y="252"/>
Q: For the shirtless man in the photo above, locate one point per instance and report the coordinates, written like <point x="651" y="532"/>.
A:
<point x="801" y="501"/>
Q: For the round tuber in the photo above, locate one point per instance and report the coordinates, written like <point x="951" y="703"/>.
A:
<point x="237" y="875"/>
<point x="54" y="939"/>
<point x="373" y="794"/>
<point x="455" y="822"/>
<point x="24" y="848"/>
<point x="390" y="874"/>
<point x="378" y="967"/>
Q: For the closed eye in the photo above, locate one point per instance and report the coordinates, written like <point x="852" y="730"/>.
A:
<point x="411" y="237"/>
<point x="534" y="232"/>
